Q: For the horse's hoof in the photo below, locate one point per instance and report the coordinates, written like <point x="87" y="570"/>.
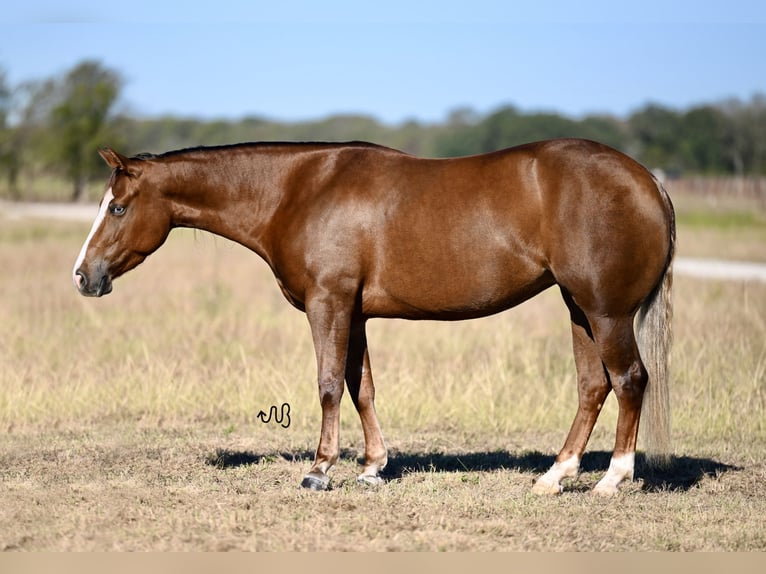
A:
<point x="369" y="480"/>
<point x="545" y="488"/>
<point x="314" y="482"/>
<point x="605" y="490"/>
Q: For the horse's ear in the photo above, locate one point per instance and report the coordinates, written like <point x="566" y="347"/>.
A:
<point x="119" y="161"/>
<point x="112" y="158"/>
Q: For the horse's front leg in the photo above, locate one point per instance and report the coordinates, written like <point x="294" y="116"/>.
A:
<point x="362" y="391"/>
<point x="330" y="322"/>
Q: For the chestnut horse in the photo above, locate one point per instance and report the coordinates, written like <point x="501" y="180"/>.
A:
<point x="355" y="230"/>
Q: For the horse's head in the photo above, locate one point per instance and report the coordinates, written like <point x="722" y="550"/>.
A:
<point x="132" y="222"/>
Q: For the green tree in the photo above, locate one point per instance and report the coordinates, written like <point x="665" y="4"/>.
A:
<point x="80" y="121"/>
<point x="702" y="140"/>
<point x="657" y="129"/>
<point x="5" y="99"/>
<point x="30" y="135"/>
<point x="745" y="138"/>
<point x="506" y="127"/>
<point x="8" y="159"/>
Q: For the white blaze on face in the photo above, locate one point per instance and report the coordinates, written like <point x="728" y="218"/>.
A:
<point x="108" y="197"/>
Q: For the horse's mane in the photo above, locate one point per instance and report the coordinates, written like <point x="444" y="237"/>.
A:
<point x="266" y="144"/>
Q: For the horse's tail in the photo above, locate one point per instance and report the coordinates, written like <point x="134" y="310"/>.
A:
<point x="655" y="337"/>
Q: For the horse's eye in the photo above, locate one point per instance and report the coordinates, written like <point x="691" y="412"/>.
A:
<point x="116" y="209"/>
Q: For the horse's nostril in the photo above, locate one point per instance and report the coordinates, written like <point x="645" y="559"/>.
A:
<point x="80" y="280"/>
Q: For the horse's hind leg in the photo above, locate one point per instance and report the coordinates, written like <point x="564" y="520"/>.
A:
<point x="593" y="388"/>
<point x="619" y="353"/>
<point x="362" y="391"/>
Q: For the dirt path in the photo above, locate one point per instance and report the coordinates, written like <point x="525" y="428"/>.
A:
<point x="720" y="269"/>
<point x="61" y="211"/>
<point x="703" y="268"/>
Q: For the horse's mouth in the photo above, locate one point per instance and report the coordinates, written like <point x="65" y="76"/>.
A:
<point x="104" y="286"/>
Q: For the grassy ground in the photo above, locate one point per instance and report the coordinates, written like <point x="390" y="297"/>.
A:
<point x="130" y="422"/>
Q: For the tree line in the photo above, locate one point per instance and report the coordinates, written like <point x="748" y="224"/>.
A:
<point x="55" y="125"/>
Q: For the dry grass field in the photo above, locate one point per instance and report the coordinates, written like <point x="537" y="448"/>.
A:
<point x="130" y="422"/>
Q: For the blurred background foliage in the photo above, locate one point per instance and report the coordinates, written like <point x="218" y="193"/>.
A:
<point x="51" y="128"/>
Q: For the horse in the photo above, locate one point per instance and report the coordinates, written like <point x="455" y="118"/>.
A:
<point x="354" y="231"/>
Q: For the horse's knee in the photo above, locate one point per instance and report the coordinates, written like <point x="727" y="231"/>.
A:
<point x="592" y="390"/>
<point x="330" y="391"/>
<point x="631" y="383"/>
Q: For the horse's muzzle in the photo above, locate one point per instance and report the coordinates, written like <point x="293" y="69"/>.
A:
<point x="92" y="288"/>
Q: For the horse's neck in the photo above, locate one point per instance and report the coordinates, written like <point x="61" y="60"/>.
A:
<point x="233" y="197"/>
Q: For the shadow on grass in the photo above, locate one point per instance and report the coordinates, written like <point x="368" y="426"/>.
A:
<point x="225" y="458"/>
<point x="683" y="472"/>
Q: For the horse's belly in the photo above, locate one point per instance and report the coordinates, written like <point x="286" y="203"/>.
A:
<point x="453" y="292"/>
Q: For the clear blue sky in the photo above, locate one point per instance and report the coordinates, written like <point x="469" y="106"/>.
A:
<point x="395" y="60"/>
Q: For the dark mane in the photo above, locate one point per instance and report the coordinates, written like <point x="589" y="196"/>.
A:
<point x="224" y="147"/>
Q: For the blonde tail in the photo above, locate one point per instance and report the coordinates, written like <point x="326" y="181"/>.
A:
<point x="655" y="337"/>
